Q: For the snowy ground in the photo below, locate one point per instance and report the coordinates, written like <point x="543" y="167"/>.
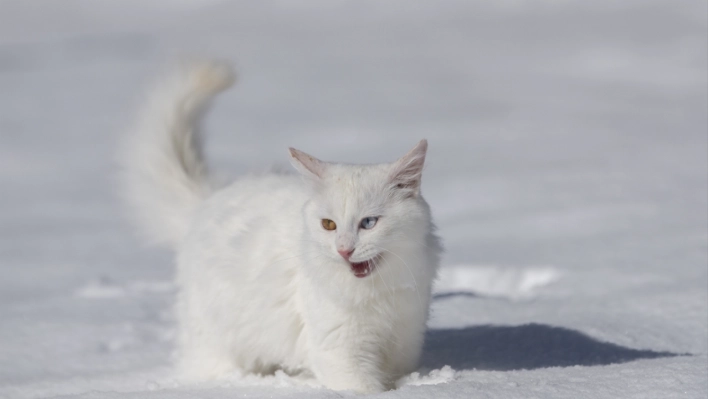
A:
<point x="567" y="172"/>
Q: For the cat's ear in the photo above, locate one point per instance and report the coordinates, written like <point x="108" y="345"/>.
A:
<point x="306" y="164"/>
<point x="407" y="171"/>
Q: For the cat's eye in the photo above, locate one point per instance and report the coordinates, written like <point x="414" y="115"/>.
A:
<point x="369" y="223"/>
<point x="328" y="224"/>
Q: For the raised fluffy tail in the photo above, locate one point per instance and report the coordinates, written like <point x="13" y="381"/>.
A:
<point x="164" y="174"/>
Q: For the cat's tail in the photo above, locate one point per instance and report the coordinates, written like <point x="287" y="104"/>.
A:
<point x="164" y="174"/>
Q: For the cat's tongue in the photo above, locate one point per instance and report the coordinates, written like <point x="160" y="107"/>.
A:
<point x="362" y="269"/>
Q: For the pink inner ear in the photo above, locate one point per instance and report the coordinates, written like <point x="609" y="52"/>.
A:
<point x="408" y="170"/>
<point x="307" y="164"/>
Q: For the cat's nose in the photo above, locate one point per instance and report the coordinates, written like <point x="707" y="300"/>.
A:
<point x="346" y="253"/>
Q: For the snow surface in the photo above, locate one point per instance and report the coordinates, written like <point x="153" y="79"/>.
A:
<point x="567" y="172"/>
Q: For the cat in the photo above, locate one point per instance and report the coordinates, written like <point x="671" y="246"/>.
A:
<point x="326" y="272"/>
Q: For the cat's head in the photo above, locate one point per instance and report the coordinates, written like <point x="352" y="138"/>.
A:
<point x="364" y="217"/>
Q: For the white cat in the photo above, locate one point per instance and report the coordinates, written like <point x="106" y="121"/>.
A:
<point x="327" y="273"/>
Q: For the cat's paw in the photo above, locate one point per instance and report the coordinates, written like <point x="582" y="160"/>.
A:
<point x="358" y="384"/>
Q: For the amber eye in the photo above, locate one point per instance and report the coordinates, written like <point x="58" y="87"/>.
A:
<point x="328" y="224"/>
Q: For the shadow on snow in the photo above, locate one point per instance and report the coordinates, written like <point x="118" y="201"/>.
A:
<point x="529" y="346"/>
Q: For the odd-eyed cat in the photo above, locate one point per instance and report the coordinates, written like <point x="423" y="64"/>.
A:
<point x="327" y="272"/>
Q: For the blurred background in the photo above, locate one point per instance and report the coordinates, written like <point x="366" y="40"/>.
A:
<point x="566" y="135"/>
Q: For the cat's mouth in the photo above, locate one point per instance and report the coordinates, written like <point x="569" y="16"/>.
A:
<point x="363" y="269"/>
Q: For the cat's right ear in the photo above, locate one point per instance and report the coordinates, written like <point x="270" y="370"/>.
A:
<point x="306" y="164"/>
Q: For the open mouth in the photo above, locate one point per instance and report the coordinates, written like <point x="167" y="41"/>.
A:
<point x="363" y="269"/>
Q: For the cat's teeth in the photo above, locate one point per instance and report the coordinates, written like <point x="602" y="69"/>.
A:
<point x="361" y="269"/>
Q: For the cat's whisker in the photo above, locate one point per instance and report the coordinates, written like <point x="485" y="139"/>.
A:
<point x="379" y="271"/>
<point x="407" y="240"/>
<point x="393" y="337"/>
<point x="415" y="282"/>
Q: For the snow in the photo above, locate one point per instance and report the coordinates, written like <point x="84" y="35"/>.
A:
<point x="568" y="175"/>
<point x="493" y="281"/>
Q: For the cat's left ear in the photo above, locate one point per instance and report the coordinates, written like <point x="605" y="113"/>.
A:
<point x="406" y="173"/>
<point x="306" y="164"/>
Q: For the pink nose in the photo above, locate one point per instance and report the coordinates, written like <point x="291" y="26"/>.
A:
<point x="346" y="253"/>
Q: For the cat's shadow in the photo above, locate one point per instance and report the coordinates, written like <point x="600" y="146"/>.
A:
<point x="529" y="346"/>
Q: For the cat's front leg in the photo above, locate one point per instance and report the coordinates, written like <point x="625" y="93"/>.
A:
<point x="347" y="358"/>
<point x="344" y="348"/>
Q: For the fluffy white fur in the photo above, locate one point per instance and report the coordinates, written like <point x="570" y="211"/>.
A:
<point x="262" y="286"/>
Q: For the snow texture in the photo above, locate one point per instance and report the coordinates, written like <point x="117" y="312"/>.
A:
<point x="567" y="172"/>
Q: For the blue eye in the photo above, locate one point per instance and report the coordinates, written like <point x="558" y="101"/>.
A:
<point x="369" y="223"/>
